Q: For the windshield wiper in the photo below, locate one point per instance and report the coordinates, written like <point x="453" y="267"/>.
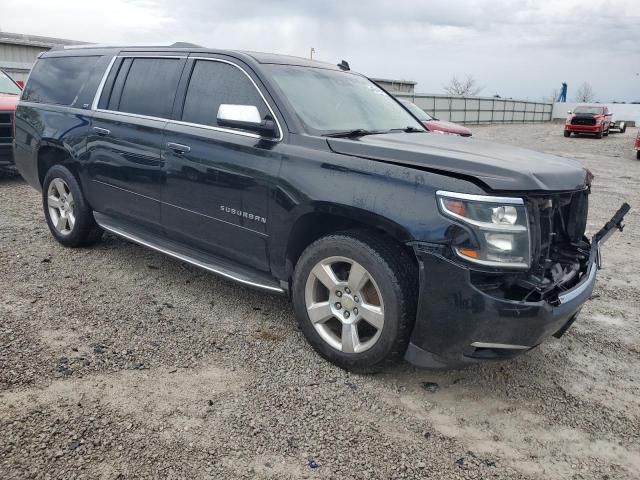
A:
<point x="358" y="132"/>
<point x="407" y="130"/>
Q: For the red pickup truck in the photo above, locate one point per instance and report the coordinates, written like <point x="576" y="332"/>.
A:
<point x="9" y="96"/>
<point x="637" y="145"/>
<point x="591" y="119"/>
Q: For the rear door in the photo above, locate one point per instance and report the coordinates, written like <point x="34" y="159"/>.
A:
<point x="219" y="180"/>
<point x="125" y="140"/>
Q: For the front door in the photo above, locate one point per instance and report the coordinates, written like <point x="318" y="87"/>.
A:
<point x="218" y="180"/>
<point x="126" y="137"/>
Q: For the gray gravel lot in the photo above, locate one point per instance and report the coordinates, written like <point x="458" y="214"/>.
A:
<point x="118" y="362"/>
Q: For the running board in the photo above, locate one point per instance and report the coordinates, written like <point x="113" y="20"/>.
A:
<point x="220" y="266"/>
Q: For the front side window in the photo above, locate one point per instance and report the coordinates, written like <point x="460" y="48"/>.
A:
<point x="149" y="86"/>
<point x="417" y="111"/>
<point x="7" y="85"/>
<point x="58" y="80"/>
<point x="214" y="83"/>
<point x="328" y="101"/>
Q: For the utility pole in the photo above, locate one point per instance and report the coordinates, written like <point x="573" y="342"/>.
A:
<point x="311" y="52"/>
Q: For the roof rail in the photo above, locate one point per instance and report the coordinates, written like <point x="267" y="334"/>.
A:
<point x="100" y="45"/>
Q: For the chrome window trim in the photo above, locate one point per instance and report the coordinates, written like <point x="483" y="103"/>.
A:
<point x="96" y="99"/>
<point x="481" y="198"/>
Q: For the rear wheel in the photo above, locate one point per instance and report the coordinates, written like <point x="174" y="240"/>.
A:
<point x="354" y="294"/>
<point x="68" y="215"/>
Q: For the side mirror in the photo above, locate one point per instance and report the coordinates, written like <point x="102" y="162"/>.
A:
<point x="246" y="117"/>
<point x="20" y="83"/>
<point x="569" y="112"/>
<point x="608" y="114"/>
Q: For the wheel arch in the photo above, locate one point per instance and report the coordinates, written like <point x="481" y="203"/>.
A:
<point x="52" y="153"/>
<point x="323" y="219"/>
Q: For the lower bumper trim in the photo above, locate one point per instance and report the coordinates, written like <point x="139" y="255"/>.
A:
<point x="499" y="345"/>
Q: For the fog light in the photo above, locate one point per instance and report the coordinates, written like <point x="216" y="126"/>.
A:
<point x="499" y="241"/>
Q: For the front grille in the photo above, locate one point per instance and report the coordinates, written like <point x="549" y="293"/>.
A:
<point x="6" y="127"/>
<point x="583" y="121"/>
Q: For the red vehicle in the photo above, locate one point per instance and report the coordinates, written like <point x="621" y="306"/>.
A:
<point x="9" y="96"/>
<point x="433" y="124"/>
<point x="591" y="119"/>
<point x="637" y="146"/>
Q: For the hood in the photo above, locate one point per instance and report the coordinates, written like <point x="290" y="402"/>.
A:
<point x="448" y="127"/>
<point x="8" y="101"/>
<point x="500" y="167"/>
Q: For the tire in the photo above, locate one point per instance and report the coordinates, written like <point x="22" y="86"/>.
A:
<point x="606" y="133"/>
<point x="567" y="133"/>
<point x="387" y="298"/>
<point x="68" y="214"/>
<point x="638" y="155"/>
<point x="599" y="134"/>
<point x="623" y="127"/>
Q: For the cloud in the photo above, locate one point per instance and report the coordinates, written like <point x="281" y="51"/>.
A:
<point x="515" y="48"/>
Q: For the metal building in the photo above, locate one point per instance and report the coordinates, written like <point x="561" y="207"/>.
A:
<point x="18" y="52"/>
<point x="396" y="86"/>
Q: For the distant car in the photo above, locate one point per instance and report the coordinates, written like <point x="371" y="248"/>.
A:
<point x="590" y="119"/>
<point x="637" y="146"/>
<point x="9" y="96"/>
<point x="615" y="125"/>
<point x="433" y="124"/>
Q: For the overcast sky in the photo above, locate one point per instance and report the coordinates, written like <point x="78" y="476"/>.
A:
<point x="522" y="49"/>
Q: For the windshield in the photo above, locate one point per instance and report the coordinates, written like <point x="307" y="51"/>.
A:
<point x="590" y="110"/>
<point x="7" y="85"/>
<point x="417" y="111"/>
<point x="328" y="101"/>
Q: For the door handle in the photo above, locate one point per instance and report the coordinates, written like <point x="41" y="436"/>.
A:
<point x="102" y="131"/>
<point x="179" y="148"/>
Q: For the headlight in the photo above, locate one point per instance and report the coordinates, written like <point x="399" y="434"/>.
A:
<point x="500" y="224"/>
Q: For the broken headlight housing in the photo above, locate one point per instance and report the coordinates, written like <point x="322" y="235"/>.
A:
<point x="500" y="225"/>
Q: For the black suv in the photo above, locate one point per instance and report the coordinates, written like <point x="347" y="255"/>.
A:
<point x="305" y="179"/>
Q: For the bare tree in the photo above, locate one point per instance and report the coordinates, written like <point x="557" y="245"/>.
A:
<point x="463" y="88"/>
<point x="585" y="93"/>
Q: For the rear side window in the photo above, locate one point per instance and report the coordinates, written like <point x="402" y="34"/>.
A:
<point x="58" y="80"/>
<point x="214" y="83"/>
<point x="148" y="86"/>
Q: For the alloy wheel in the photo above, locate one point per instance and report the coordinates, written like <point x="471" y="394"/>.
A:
<point x="344" y="304"/>
<point x="61" y="206"/>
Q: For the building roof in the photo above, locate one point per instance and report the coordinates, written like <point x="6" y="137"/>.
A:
<point x="391" y="80"/>
<point x="35" y="40"/>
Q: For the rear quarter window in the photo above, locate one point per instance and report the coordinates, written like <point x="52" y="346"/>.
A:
<point x="58" y="80"/>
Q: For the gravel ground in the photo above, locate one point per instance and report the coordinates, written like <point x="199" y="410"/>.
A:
<point x="117" y="362"/>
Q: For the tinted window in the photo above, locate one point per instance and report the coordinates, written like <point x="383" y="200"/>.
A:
<point x="58" y="80"/>
<point x="215" y="83"/>
<point x="149" y="88"/>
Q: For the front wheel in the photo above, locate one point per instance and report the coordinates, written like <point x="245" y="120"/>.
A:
<point x="638" y="155"/>
<point x="567" y="133"/>
<point x="599" y="134"/>
<point x="354" y="295"/>
<point x="623" y="127"/>
<point x="68" y="214"/>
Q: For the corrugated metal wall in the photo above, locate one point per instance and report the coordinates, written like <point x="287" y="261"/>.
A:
<point x="481" y="109"/>
<point x="17" y="60"/>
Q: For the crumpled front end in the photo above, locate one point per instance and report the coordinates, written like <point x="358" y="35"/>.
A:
<point x="468" y="313"/>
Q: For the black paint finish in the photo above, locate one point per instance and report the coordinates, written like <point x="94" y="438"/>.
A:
<point x="251" y="200"/>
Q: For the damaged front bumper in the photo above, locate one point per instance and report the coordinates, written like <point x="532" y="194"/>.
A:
<point x="458" y="323"/>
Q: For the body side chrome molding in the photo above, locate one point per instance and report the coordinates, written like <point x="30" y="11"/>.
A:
<point x="184" y="258"/>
